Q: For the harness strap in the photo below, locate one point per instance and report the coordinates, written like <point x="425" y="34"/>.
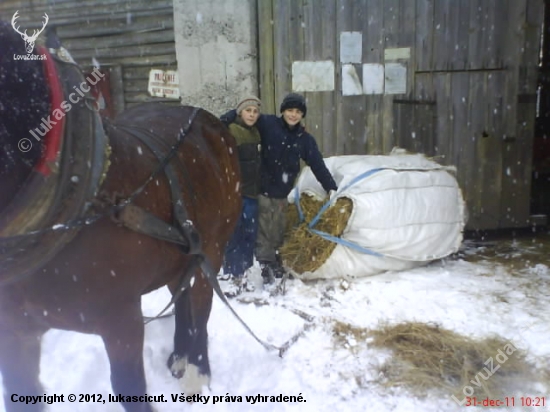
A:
<point x="139" y="220"/>
<point x="212" y="278"/>
<point x="184" y="225"/>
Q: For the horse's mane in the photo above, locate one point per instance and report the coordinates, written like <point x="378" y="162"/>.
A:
<point x="24" y="101"/>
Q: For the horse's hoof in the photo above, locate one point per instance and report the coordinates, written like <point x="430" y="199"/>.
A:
<point x="177" y="365"/>
<point x="191" y="379"/>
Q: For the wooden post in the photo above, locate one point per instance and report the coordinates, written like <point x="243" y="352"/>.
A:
<point x="266" y="55"/>
<point x="117" y="89"/>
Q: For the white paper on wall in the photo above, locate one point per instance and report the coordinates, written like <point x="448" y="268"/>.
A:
<point x="402" y="53"/>
<point x="373" y="78"/>
<point x="308" y="76"/>
<point x="351" y="46"/>
<point x="351" y="84"/>
<point x="396" y="78"/>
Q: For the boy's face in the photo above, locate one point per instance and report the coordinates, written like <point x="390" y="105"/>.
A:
<point x="293" y="116"/>
<point x="250" y="115"/>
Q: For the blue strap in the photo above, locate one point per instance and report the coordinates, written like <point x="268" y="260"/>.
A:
<point x="297" y="203"/>
<point x="346" y="243"/>
<point x="331" y="201"/>
<point x="322" y="210"/>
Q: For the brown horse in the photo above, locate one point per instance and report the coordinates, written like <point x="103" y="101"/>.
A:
<point x="93" y="280"/>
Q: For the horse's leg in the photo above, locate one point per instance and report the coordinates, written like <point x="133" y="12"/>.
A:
<point x="189" y="362"/>
<point x="123" y="335"/>
<point x="20" y="367"/>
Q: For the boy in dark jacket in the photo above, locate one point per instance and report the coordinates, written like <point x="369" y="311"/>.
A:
<point x="284" y="143"/>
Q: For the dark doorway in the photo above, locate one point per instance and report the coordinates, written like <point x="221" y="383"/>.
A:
<point x="540" y="192"/>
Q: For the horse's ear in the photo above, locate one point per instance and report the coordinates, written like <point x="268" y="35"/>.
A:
<point x="52" y="41"/>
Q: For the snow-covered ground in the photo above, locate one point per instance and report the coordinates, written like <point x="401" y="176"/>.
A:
<point x="477" y="293"/>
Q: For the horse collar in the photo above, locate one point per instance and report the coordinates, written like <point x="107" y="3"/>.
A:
<point x="56" y="120"/>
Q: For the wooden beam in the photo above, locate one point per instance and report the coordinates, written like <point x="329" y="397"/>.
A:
<point x="117" y="89"/>
<point x="266" y="55"/>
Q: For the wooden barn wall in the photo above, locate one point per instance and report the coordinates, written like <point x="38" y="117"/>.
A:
<point x="127" y="37"/>
<point x="470" y="97"/>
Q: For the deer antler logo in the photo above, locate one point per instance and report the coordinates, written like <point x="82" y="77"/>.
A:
<point x="29" y="40"/>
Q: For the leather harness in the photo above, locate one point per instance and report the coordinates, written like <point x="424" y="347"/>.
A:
<point x="139" y="220"/>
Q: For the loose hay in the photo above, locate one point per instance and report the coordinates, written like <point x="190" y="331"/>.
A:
<point x="428" y="357"/>
<point x="304" y="251"/>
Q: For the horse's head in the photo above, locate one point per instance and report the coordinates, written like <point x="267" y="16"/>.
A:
<point x="24" y="101"/>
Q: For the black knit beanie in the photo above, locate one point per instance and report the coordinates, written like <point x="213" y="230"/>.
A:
<point x="294" y="101"/>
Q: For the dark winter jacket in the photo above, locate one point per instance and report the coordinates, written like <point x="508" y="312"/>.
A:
<point x="282" y="149"/>
<point x="248" y="146"/>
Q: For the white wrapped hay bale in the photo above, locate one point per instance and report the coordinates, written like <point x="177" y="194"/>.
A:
<point x="407" y="211"/>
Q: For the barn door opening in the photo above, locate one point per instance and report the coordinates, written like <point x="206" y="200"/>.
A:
<point x="540" y="192"/>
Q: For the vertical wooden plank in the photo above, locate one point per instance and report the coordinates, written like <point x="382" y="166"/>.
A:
<point x="407" y="24"/>
<point x="490" y="148"/>
<point x="424" y="86"/>
<point x="494" y="10"/>
<point x="352" y="108"/>
<point x="460" y="55"/>
<point x="373" y="52"/>
<point x="313" y="52"/>
<point x="341" y="129"/>
<point x="407" y="38"/>
<point x="282" y="65"/>
<point x="407" y="32"/>
<point x="426" y="114"/>
<point x="502" y="25"/>
<point x="465" y="139"/>
<point x="441" y="35"/>
<point x="266" y="55"/>
<point x="475" y="52"/>
<point x="329" y="39"/>
<point x="451" y="33"/>
<point x="117" y="88"/>
<point x="533" y="24"/>
<point x="296" y="33"/>
<point x="512" y="49"/>
<point x="442" y="85"/>
<point x="511" y="45"/>
<point x="414" y="122"/>
<point x="373" y="32"/>
<point x="357" y="118"/>
<point x="391" y="40"/>
<point x="474" y="175"/>
<point x="461" y="147"/>
<point x="391" y="23"/>
<point x="424" y="35"/>
<point x="521" y="154"/>
<point x="401" y="112"/>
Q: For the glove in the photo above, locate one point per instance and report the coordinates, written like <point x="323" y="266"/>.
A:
<point x="229" y="117"/>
